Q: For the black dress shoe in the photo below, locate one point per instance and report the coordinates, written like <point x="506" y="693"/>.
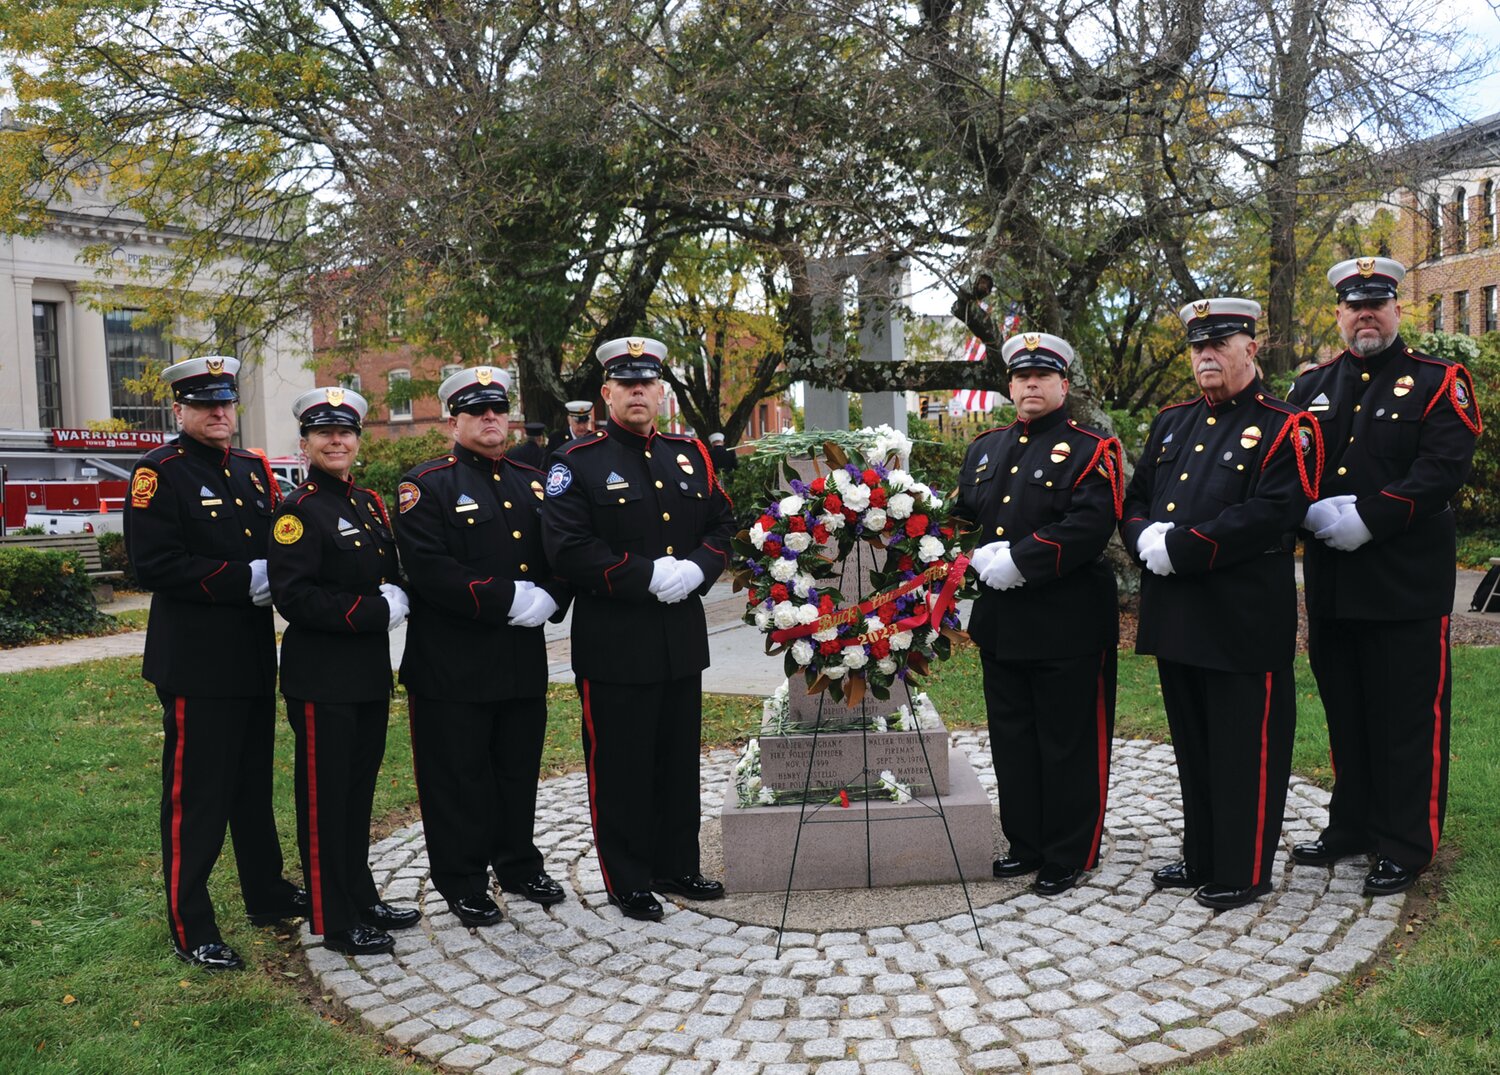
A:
<point x="1177" y="875"/>
<point x="475" y="910"/>
<point x="1013" y="867"/>
<point x="214" y="956"/>
<point x="1388" y="878"/>
<point x="1055" y="880"/>
<point x="1321" y="852"/>
<point x="383" y="916"/>
<point x="694" y="886"/>
<point x="1226" y="897"/>
<point x="360" y="941"/>
<point x="297" y="905"/>
<point x="639" y="905"/>
<point x="540" y="889"/>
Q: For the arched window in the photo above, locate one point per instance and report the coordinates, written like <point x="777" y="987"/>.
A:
<point x="1460" y="221"/>
<point x="1434" y="227"/>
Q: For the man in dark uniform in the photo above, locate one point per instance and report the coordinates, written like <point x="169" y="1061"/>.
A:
<point x="333" y="574"/>
<point x="1211" y="514"/>
<point x="1400" y="428"/>
<point x="475" y="664"/>
<point x="1047" y="491"/>
<point x="635" y="520"/>
<point x="196" y="530"/>
<point x="724" y="460"/>
<point x="580" y="425"/>
<point x="532" y="451"/>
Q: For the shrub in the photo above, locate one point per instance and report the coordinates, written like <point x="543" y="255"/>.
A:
<point x="382" y="460"/>
<point x="1478" y="502"/>
<point x="112" y="558"/>
<point x="45" y="594"/>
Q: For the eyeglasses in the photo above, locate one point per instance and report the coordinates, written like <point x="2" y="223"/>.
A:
<point x="478" y="409"/>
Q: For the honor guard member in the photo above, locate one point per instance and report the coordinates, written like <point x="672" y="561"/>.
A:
<point x="638" y="523"/>
<point x="332" y="566"/>
<point x="1211" y="514"/>
<point x="475" y="664"/>
<point x="580" y="425"/>
<point x="1045" y="492"/>
<point x="196" y="531"/>
<point x="533" y="450"/>
<point x="723" y="459"/>
<point x="1379" y="563"/>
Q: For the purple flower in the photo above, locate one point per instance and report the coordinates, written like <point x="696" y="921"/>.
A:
<point x="853" y="471"/>
<point x="774" y="510"/>
<point x="799" y="487"/>
<point x="788" y="554"/>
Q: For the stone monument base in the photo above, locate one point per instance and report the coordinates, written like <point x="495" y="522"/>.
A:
<point x="907" y="844"/>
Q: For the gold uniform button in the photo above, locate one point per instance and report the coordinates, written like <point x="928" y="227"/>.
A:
<point x="1239" y="466"/>
<point x="213" y="515"/>
<point x="1023" y="440"/>
<point x="622" y="500"/>
<point x="666" y="516"/>
<point x="515" y="534"/>
<point x="999" y="531"/>
<point x="1394" y="416"/>
<point x="1182" y="477"/>
<point x="1364" y="376"/>
<point x="1005" y="499"/>
<point x="238" y="502"/>
<point x="471" y="522"/>
<point x="226" y="473"/>
<point x="1351" y="439"/>
<point x="1197" y="447"/>
<point x="356" y="543"/>
<point x="381" y="551"/>
<point x="1014" y="469"/>
<point x="1212" y="420"/>
<point x="658" y="484"/>
<point x="1049" y="484"/>
<point x="648" y="455"/>
<point x="1171" y="507"/>
<point x="1343" y="471"/>
<point x="247" y="531"/>
<point x="495" y="476"/>
<point x="669" y="550"/>
<point x="1357" y="408"/>
<point x="525" y="568"/>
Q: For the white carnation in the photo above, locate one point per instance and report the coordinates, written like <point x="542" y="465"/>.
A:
<point x="802" y="651"/>
<point x="834" y="671"/>
<point x="828" y="634"/>
<point x="929" y="549"/>
<point x="832" y="522"/>
<point x="762" y="619"/>
<point x="791" y="505"/>
<point x="857" y="499"/>
<point x="900" y="506"/>
<point x="898" y="480"/>
<point x="807" y="613"/>
<point x="839" y="479"/>
<point x="766" y="797"/>
<point x="786" y="615"/>
<point x="872" y="624"/>
<point x="856" y="657"/>
<point x="783" y="570"/>
<point x="901" y="640"/>
<point x="874" y="520"/>
<point x="887" y="665"/>
<point x="757" y="535"/>
<point x="802" y="585"/>
<point x="798" y="542"/>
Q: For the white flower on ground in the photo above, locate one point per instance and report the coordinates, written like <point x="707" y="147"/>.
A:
<point x="900" y="506"/>
<point x="802" y="651"/>
<point x="856" y="657"/>
<point x="929" y="549"/>
<point x="791" y="505"/>
<point x="798" y="542"/>
<point x="767" y="797"/>
<point x="875" y="520"/>
<point x="899" y="792"/>
<point x="783" y="570"/>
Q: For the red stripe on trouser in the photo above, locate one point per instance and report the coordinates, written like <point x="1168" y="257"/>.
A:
<point x="1260" y="801"/>
<point x="1433" y="824"/>
<point x="174" y="886"/>
<point x="588" y="723"/>
<point x="1102" y="759"/>
<point x="314" y="854"/>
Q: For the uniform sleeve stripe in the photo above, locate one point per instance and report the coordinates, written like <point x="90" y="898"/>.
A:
<point x="1213" y="555"/>
<point x="203" y="583"/>
<point x="352" y="607"/>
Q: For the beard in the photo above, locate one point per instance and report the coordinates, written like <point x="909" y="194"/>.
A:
<point x="1368" y="346"/>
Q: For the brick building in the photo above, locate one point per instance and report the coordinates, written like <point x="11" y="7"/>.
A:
<point x="1447" y="232"/>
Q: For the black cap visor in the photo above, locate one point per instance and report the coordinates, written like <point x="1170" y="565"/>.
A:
<point x="479" y="395"/>
<point x="1036" y="360"/>
<point x="1367" y="290"/>
<point x="1203" y="329"/>
<point x="206" y="390"/>
<point x="633" y="369"/>
<point x="327" y="415"/>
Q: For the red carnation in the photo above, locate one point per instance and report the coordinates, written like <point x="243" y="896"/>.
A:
<point x="825" y="605"/>
<point x="818" y="485"/>
<point x="829" y="648"/>
<point x="871" y="478"/>
<point x="851" y="516"/>
<point x="916" y="526"/>
<point x="779" y="592"/>
<point x="797" y="524"/>
<point x="946" y="531"/>
<point x="834" y="504"/>
<point x="767" y="523"/>
<point x="772" y="549"/>
<point x="887" y="612"/>
<point x="906" y="564"/>
<point x="844" y="798"/>
<point x="881" y="649"/>
<point x="820" y="534"/>
<point x="877" y="498"/>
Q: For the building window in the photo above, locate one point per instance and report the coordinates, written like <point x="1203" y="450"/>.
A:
<point x="1461" y="312"/>
<point x="350" y="381"/>
<point x="1437" y="312"/>
<point x="347" y="323"/>
<point x="1487" y="208"/>
<point x="128" y="350"/>
<point x="1460" y="221"/>
<point x="400" y="407"/>
<point x="1491" y="309"/>
<point x="448" y="370"/>
<point x="1434" y="227"/>
<point x="48" y="369"/>
<point x="395" y="316"/>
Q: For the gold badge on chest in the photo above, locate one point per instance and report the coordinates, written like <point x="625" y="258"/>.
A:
<point x="1404" y="384"/>
<point x="684" y="463"/>
<point x="1060" y="451"/>
<point x="1250" y="436"/>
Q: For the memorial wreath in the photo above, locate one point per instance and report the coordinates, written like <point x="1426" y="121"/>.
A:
<point x="802" y="538"/>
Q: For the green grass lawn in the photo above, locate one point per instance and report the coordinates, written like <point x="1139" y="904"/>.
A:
<point x="89" y="985"/>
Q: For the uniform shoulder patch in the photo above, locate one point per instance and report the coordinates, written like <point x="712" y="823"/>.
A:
<point x="558" y="479"/>
<point x="288" y="530"/>
<point x="407" y="495"/>
<point x="143" y="487"/>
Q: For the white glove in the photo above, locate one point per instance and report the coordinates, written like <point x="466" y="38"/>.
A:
<point x="1002" y="572"/>
<point x="536" y="613"/>
<point x="663" y="573"/>
<point x="1156" y="556"/>
<point x="1346" y="533"/>
<point x="260" y="584"/>
<point x="691" y="574"/>
<point x="400" y="606"/>
<point x="1322" y="514"/>
<point x="685" y="578"/>
<point x="1152" y="535"/>
<point x="522" y="599"/>
<point x="981" y="557"/>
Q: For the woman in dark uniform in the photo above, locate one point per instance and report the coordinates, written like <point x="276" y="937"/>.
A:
<point x="332" y="567"/>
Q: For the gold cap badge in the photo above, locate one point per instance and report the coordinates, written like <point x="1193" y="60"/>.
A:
<point x="484" y="375"/>
<point x="635" y="347"/>
<point x="1032" y="340"/>
<point x="215" y="365"/>
<point x="335" y="397"/>
<point x="1366" y="266"/>
<point x="1202" y="308"/>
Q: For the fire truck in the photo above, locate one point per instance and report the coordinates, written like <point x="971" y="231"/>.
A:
<point x="74" y="480"/>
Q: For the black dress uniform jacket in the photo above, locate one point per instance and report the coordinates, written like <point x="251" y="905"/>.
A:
<point x="614" y="504"/>
<point x="331" y="549"/>
<point x="1235" y="478"/>
<point x="1399" y="428"/>
<point x="197" y="516"/>
<point x="1052" y="488"/>
<point x="469" y="528"/>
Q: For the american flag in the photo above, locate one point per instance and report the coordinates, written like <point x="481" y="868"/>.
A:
<point x="980" y="399"/>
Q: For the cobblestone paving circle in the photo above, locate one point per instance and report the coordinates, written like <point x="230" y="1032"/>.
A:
<point x="1111" y="977"/>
